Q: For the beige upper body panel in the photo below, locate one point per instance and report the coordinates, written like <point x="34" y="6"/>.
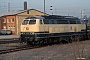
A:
<point x="52" y="28"/>
<point x="59" y="28"/>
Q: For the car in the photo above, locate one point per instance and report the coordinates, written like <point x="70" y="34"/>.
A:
<point x="6" y="32"/>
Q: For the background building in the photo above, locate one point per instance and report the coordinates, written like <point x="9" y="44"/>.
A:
<point x="12" y="20"/>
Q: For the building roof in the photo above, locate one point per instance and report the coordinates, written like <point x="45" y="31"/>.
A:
<point x="18" y="12"/>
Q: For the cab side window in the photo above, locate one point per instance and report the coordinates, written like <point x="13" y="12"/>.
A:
<point x="41" y="22"/>
<point x="25" y="22"/>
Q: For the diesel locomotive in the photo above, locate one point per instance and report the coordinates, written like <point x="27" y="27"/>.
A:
<point x="40" y="30"/>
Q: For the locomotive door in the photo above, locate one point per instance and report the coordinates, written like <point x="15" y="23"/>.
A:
<point x="46" y="28"/>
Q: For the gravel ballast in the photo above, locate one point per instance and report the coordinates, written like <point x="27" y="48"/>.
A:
<point x="69" y="51"/>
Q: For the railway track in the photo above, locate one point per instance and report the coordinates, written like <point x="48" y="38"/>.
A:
<point x="25" y="47"/>
<point x="10" y="40"/>
<point x="16" y="49"/>
<point x="20" y="48"/>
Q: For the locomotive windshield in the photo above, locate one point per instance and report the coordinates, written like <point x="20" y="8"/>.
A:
<point x="32" y="22"/>
<point x="25" y="22"/>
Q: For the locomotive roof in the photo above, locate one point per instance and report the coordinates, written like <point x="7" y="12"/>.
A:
<point x="34" y="17"/>
<point x="53" y="17"/>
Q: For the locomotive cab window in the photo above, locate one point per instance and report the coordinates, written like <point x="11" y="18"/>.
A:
<point x="41" y="22"/>
<point x="32" y="22"/>
<point x="25" y="22"/>
<point x="78" y="22"/>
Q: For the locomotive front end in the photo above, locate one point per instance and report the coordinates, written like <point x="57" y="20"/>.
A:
<point x="30" y="30"/>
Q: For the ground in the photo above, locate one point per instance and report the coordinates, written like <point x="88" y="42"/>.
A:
<point x="70" y="51"/>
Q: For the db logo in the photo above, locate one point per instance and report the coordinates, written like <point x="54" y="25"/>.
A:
<point x="27" y="28"/>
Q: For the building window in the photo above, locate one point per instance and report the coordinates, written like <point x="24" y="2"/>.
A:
<point x="4" y="27"/>
<point x="9" y="28"/>
<point x="4" y="20"/>
<point x="8" y="20"/>
<point x="12" y="19"/>
<point x="13" y="28"/>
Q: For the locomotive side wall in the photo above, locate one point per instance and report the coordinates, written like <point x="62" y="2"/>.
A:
<point x="59" y="28"/>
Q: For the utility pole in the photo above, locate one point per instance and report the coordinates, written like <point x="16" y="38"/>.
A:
<point x="44" y="7"/>
<point x="8" y="7"/>
<point x="81" y="14"/>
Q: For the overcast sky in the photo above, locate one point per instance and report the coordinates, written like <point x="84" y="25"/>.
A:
<point x="60" y="7"/>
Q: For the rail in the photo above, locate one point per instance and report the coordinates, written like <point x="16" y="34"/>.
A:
<point x="16" y="49"/>
<point x="10" y="40"/>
